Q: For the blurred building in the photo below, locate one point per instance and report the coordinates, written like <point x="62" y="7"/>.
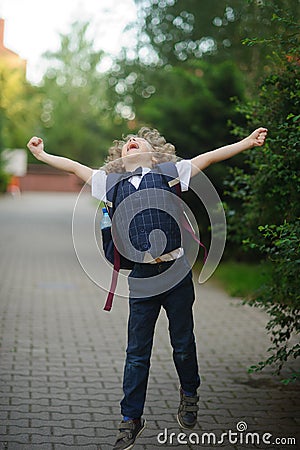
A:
<point x="35" y="177"/>
<point x="40" y="177"/>
<point x="8" y="57"/>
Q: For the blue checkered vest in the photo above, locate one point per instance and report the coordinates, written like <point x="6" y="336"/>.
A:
<point x="139" y="221"/>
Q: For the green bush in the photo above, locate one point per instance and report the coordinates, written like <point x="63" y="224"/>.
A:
<point x="4" y="179"/>
<point x="241" y="279"/>
<point x="268" y="221"/>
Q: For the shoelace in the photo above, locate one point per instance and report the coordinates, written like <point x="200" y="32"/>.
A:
<point x="189" y="404"/>
<point x="126" y="429"/>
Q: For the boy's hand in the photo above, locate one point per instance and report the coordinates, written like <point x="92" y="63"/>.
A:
<point x="257" y="138"/>
<point x="36" y="146"/>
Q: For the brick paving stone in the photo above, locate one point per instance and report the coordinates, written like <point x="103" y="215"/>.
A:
<point x="62" y="356"/>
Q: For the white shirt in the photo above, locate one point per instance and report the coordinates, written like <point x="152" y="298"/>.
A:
<point x="183" y="167"/>
<point x="184" y="174"/>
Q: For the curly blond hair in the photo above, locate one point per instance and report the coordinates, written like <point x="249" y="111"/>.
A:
<point x="162" y="150"/>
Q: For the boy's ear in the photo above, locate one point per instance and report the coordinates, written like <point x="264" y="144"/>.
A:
<point x="154" y="160"/>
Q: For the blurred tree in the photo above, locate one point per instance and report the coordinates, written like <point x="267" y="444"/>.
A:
<point x="179" y="78"/>
<point x="177" y="30"/>
<point x="78" y="120"/>
<point x="19" y="112"/>
<point x="190" y="104"/>
<point x="19" y="108"/>
<point x="193" y="103"/>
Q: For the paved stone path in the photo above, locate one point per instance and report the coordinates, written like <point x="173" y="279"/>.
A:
<point x="62" y="356"/>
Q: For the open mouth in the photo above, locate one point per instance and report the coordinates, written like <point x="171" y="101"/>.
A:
<point x="132" y="145"/>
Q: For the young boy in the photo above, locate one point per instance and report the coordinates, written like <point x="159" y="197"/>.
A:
<point x="147" y="151"/>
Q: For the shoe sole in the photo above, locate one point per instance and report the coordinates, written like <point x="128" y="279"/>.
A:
<point x="139" y="433"/>
<point x="185" y="427"/>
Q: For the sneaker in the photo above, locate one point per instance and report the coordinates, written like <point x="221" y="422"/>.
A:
<point x="187" y="411"/>
<point x="129" y="430"/>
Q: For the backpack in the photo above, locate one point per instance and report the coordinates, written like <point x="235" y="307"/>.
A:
<point x="111" y="252"/>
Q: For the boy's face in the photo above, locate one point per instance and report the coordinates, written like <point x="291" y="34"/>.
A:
<point x="137" y="150"/>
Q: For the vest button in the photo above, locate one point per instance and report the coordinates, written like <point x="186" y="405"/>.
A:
<point x="137" y="195"/>
<point x="145" y="246"/>
<point x="142" y="230"/>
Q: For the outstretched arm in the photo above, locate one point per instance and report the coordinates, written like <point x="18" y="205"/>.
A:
<point x="36" y="146"/>
<point x="255" y="139"/>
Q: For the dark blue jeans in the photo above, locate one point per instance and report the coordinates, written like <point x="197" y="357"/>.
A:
<point x="177" y="302"/>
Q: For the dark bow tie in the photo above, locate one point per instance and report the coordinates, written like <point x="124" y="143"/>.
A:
<point x="137" y="171"/>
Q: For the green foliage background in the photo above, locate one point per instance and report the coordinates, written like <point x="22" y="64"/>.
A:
<point x="267" y="220"/>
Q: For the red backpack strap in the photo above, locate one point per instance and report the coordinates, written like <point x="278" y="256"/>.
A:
<point x="113" y="285"/>
<point x="111" y="193"/>
<point x="187" y="226"/>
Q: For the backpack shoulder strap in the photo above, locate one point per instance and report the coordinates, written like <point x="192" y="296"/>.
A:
<point x="169" y="169"/>
<point x="112" y="181"/>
